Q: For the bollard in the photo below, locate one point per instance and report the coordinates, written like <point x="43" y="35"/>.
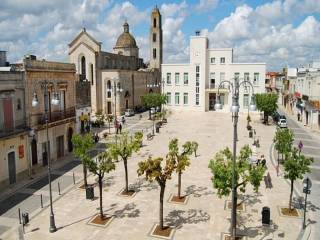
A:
<point x="41" y="200"/>
<point x="74" y="180"/>
<point x="19" y="212"/>
<point x="59" y="188"/>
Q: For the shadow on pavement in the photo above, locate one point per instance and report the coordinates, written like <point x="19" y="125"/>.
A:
<point x="192" y="216"/>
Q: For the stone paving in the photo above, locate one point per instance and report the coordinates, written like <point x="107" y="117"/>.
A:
<point x="203" y="217"/>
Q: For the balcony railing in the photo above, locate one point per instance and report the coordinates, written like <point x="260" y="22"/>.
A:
<point x="14" y="127"/>
<point x="57" y="115"/>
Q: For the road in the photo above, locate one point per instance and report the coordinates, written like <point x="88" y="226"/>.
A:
<point x="311" y="148"/>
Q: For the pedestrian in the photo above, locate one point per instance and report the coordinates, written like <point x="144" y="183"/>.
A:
<point x="120" y="127"/>
<point x="140" y="116"/>
<point x="299" y="116"/>
<point x="116" y="125"/>
<point x="123" y="120"/>
<point x="263" y="161"/>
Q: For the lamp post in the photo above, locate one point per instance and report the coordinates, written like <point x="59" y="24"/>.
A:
<point x="235" y="115"/>
<point x="116" y="89"/>
<point x="55" y="101"/>
<point x="307" y="190"/>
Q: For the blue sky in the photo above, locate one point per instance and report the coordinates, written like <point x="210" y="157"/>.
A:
<point x="283" y="32"/>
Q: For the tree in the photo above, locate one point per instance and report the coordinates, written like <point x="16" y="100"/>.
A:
<point x="182" y="160"/>
<point x="154" y="170"/>
<point x="124" y="149"/>
<point x="151" y="100"/>
<point x="109" y="119"/>
<point x="295" y="166"/>
<point x="221" y="168"/>
<point x="138" y="137"/>
<point x="267" y="103"/>
<point x="103" y="164"/>
<point x="283" y="140"/>
<point x="81" y="146"/>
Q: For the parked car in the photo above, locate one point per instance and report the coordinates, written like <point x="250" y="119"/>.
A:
<point x="282" y="123"/>
<point x="129" y="112"/>
<point x="282" y="117"/>
<point x="276" y="116"/>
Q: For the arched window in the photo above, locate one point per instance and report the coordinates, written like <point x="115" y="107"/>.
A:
<point x="109" y="89"/>
<point x="83" y="66"/>
<point x="154" y="53"/>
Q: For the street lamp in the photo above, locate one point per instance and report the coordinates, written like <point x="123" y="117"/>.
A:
<point x="55" y="101"/>
<point x="235" y="114"/>
<point x="307" y="184"/>
<point x="116" y="89"/>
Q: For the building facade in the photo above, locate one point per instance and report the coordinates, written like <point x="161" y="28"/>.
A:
<point x="118" y="79"/>
<point x="61" y="117"/>
<point x="13" y="128"/>
<point x="194" y="85"/>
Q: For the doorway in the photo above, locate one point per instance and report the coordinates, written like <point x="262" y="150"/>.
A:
<point x="212" y="101"/>
<point x="12" y="167"/>
<point x="45" y="153"/>
<point x="34" y="152"/>
<point x="70" y="133"/>
<point x="127" y="103"/>
<point x="60" y="146"/>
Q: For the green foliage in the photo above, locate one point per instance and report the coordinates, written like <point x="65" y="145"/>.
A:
<point x="267" y="102"/>
<point x="153" y="169"/>
<point x="138" y="137"/>
<point x="81" y="146"/>
<point x="283" y="140"/>
<point x="296" y="165"/>
<point x="153" y="100"/>
<point x="124" y="146"/>
<point x="221" y="168"/>
<point x="101" y="165"/>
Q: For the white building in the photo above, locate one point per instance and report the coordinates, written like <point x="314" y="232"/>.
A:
<point x="194" y="85"/>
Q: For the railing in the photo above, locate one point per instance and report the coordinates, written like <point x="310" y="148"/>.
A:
<point x="57" y="115"/>
<point x="15" y="127"/>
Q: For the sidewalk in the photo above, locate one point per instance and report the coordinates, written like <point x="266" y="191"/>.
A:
<point x="205" y="216"/>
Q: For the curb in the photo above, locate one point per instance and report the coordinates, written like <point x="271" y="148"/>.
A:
<point x="304" y="233"/>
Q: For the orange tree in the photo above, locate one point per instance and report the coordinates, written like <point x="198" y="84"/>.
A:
<point x="158" y="169"/>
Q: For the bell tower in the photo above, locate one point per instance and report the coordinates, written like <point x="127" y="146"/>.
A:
<point x="155" y="39"/>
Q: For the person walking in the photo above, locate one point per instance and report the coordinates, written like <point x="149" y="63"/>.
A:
<point x="120" y="127"/>
<point x="123" y="120"/>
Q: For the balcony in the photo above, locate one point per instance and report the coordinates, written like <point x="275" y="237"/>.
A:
<point x="15" y="127"/>
<point x="56" y="116"/>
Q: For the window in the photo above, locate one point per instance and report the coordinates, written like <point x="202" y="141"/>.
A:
<point x="83" y="66"/>
<point x="222" y="60"/>
<point x="18" y="104"/>
<point x="185" y="78"/>
<point x="168" y="78"/>
<point x="177" y="98"/>
<point x="91" y="73"/>
<point x="154" y="22"/>
<point x="256" y="78"/>
<point x="154" y="53"/>
<point x="212" y="60"/>
<point x="197" y="84"/>
<point x="245" y="100"/>
<point x="154" y="37"/>
<point x="185" y="98"/>
<point x="246" y="76"/>
<point x="177" y="78"/>
<point x="169" y="98"/>
<point x="212" y="79"/>
<point x="236" y="76"/>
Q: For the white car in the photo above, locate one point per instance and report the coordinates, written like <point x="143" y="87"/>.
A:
<point x="282" y="123"/>
<point x="129" y="112"/>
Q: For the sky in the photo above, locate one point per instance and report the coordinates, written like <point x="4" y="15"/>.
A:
<point x="280" y="33"/>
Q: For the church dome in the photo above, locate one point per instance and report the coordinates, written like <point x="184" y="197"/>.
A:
<point x="126" y="40"/>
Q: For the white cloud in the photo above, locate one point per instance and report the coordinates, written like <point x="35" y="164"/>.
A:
<point x="206" y="5"/>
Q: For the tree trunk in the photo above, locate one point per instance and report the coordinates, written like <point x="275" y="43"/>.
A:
<point x="85" y="175"/>
<point x="179" y="184"/>
<point x="126" y="174"/>
<point x="149" y="114"/>
<point x="162" y="187"/>
<point x="265" y="117"/>
<point x="291" y="192"/>
<point x="195" y="153"/>
<point x="100" y="191"/>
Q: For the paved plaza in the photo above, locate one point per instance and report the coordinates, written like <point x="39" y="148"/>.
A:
<point x="205" y="216"/>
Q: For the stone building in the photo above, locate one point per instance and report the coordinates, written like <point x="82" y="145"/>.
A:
<point x="118" y="79"/>
<point x="13" y="127"/>
<point x="61" y="117"/>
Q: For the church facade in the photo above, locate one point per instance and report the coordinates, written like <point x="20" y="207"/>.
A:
<point x="118" y="79"/>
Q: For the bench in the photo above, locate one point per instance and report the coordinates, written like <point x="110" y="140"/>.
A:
<point x="267" y="181"/>
<point x="149" y="136"/>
